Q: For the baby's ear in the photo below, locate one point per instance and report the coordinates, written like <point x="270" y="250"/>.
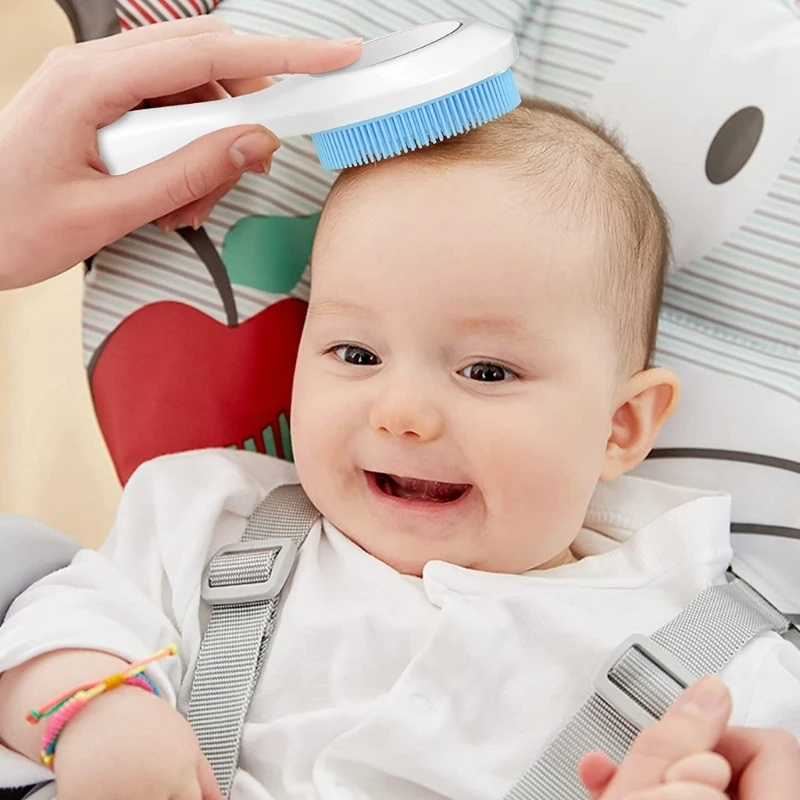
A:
<point x="643" y="404"/>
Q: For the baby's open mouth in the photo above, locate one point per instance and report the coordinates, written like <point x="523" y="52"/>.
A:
<point x="418" y="489"/>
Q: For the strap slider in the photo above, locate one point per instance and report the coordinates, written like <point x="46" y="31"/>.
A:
<point x="231" y="586"/>
<point x="623" y="702"/>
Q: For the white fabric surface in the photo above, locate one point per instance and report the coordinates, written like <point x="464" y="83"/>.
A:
<point x="381" y="685"/>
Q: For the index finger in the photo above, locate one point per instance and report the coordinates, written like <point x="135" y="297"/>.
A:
<point x="692" y="724"/>
<point x="764" y="763"/>
<point x="169" y="66"/>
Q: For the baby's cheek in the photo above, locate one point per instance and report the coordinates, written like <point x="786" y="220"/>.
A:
<point x="310" y="431"/>
<point x="317" y="472"/>
<point x="546" y="456"/>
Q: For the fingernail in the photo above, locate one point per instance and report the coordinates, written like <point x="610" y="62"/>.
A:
<point x="253" y="148"/>
<point x="200" y="219"/>
<point x="264" y="167"/>
<point x="708" y="696"/>
<point x="352" y="40"/>
<point x="168" y="225"/>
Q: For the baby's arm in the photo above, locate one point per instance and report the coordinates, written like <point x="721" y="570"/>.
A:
<point x="30" y="684"/>
<point x="87" y="620"/>
<point x="115" y="746"/>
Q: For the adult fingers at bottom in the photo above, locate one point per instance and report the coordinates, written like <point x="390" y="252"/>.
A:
<point x="766" y="763"/>
<point x="679" y="791"/>
<point x="710" y="769"/>
<point x="707" y="769"/>
<point x="209" y="788"/>
<point x="596" y="770"/>
<point x="188" y="793"/>
<point x="692" y="724"/>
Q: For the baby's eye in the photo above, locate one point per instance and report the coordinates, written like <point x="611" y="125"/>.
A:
<point x="353" y="354"/>
<point x="487" y="372"/>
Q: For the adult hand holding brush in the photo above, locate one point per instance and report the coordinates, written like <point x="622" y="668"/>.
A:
<point x="58" y="202"/>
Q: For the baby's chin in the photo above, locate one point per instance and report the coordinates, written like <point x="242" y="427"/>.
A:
<point x="411" y="562"/>
<point x="402" y="559"/>
<point x="393" y="554"/>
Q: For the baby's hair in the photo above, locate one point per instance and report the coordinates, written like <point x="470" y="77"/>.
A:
<point x="583" y="169"/>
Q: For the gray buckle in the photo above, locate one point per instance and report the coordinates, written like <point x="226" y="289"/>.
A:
<point x="624" y="703"/>
<point x="234" y="593"/>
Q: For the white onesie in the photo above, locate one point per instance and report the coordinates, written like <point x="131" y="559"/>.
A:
<point x="384" y="686"/>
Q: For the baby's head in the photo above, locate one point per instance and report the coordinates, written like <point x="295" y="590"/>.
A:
<point x="476" y="353"/>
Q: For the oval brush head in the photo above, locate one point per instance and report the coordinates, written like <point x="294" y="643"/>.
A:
<point x="418" y="126"/>
<point x="435" y="80"/>
<point x="406" y="90"/>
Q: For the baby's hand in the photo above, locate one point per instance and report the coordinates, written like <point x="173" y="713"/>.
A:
<point x="128" y="745"/>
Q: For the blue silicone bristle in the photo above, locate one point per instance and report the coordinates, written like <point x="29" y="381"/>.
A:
<point x="418" y="126"/>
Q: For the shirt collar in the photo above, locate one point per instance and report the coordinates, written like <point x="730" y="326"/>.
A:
<point x="635" y="530"/>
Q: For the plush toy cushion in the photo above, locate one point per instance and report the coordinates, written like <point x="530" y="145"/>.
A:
<point x="190" y="339"/>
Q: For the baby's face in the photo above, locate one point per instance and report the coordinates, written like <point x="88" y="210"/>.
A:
<point x="455" y="386"/>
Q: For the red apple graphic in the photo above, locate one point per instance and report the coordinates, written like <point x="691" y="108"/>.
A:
<point x="170" y="378"/>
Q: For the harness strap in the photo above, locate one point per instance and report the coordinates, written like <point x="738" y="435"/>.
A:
<point x="243" y="583"/>
<point x="642" y="678"/>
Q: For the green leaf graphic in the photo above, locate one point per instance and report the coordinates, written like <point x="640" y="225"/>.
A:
<point x="269" y="253"/>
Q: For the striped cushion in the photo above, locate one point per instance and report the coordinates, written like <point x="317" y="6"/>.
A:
<point x="737" y="245"/>
<point x="135" y="13"/>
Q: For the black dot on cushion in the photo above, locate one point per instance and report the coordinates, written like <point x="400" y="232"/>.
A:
<point x="734" y="144"/>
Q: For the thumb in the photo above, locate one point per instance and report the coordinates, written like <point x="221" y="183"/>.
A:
<point x="694" y="723"/>
<point x="187" y="175"/>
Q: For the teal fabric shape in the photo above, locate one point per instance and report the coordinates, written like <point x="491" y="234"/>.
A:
<point x="269" y="253"/>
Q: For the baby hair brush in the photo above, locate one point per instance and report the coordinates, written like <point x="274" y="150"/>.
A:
<point x="406" y="90"/>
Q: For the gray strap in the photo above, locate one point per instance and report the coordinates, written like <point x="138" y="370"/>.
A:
<point x="243" y="584"/>
<point x="642" y="678"/>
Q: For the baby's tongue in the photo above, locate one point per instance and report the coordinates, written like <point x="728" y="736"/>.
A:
<point x="434" y="491"/>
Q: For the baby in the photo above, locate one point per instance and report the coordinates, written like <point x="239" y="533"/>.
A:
<point x="473" y="382"/>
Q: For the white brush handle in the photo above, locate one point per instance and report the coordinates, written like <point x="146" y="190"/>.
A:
<point x="143" y="136"/>
<point x="393" y="73"/>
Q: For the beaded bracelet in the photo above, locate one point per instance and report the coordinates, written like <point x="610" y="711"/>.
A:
<point x="64" y="708"/>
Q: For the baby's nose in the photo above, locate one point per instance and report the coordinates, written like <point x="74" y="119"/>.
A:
<point x="408" y="415"/>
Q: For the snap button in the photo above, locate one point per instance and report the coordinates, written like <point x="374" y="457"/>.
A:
<point x="421" y="703"/>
